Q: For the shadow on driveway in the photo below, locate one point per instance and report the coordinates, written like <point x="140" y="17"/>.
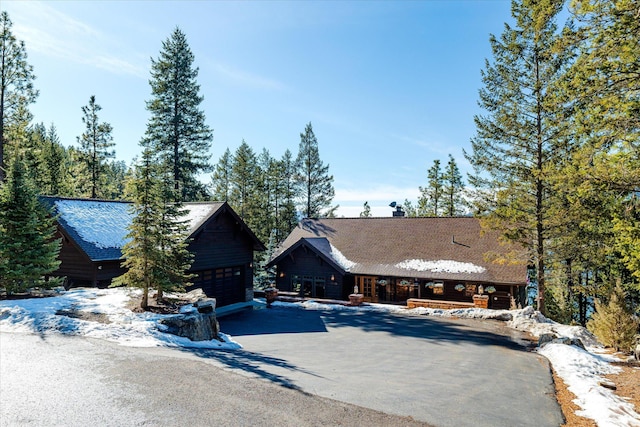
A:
<point x="293" y="320"/>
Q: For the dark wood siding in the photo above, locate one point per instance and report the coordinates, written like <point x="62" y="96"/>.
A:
<point x="308" y="274"/>
<point x="223" y="245"/>
<point x="74" y="265"/>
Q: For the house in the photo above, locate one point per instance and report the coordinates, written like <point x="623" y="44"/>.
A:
<point x="93" y="233"/>
<point x="393" y="259"/>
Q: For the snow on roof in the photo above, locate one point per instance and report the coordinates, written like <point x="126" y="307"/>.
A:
<point x="97" y="222"/>
<point x="342" y="260"/>
<point x="197" y="213"/>
<point x="439" y="266"/>
<point x="104" y="225"/>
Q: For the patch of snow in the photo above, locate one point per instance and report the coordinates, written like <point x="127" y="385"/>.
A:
<point x="440" y="266"/>
<point x="582" y="371"/>
<point x="196" y="213"/>
<point x="122" y="326"/>
<point x="100" y="223"/>
<point x="342" y="260"/>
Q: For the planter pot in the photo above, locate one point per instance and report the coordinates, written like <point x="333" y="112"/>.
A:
<point x="270" y="294"/>
<point x="356" y="299"/>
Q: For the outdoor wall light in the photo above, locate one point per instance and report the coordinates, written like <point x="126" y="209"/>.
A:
<point x="480" y="289"/>
<point x="282" y="274"/>
<point x="333" y="278"/>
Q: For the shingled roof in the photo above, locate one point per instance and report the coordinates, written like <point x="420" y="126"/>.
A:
<point x="437" y="248"/>
<point x="99" y="227"/>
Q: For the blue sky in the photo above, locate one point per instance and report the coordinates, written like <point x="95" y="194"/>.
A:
<point x="388" y="86"/>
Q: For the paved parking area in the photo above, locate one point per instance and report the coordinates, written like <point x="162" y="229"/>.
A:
<point x="444" y="372"/>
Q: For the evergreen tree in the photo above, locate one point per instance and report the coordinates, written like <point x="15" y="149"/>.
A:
<point x="142" y="253"/>
<point x="409" y="210"/>
<point x="95" y="146"/>
<point x="244" y="180"/>
<point x="517" y="140"/>
<point x="604" y="83"/>
<point x="28" y="248"/>
<point x="173" y="233"/>
<point x="287" y="217"/>
<point x="221" y="179"/>
<point x="177" y="128"/>
<point x="115" y="173"/>
<point x="366" y="211"/>
<point x="313" y="179"/>
<point x="16" y="85"/>
<point x="430" y="196"/>
<point x="55" y="159"/>
<point x="452" y="186"/>
<point x="614" y="323"/>
<point x="156" y="254"/>
<point x="32" y="152"/>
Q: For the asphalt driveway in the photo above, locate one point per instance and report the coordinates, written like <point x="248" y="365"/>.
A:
<point x="444" y="372"/>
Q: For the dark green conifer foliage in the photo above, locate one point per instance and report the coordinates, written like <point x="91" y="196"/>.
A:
<point x="313" y="179"/>
<point x="177" y="130"/>
<point x="16" y="86"/>
<point x="96" y="145"/>
<point x="221" y="178"/>
<point x="518" y="137"/>
<point x="55" y="159"/>
<point x="28" y="248"/>
<point x="429" y="203"/>
<point x="287" y="217"/>
<point x="452" y="187"/>
<point x="244" y="181"/>
<point x="156" y="255"/>
<point x="142" y="253"/>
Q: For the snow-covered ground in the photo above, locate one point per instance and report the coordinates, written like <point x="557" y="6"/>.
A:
<point x="108" y="318"/>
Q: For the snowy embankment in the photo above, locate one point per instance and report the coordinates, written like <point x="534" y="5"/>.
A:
<point x="103" y="314"/>
<point x="96" y="313"/>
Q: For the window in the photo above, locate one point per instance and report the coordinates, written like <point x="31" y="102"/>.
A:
<point x="367" y="286"/>
<point x="295" y="283"/>
<point x="469" y="290"/>
<point x="438" y="288"/>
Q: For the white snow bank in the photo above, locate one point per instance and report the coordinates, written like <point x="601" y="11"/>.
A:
<point x="114" y="322"/>
<point x="440" y="266"/>
<point x="581" y="371"/>
<point x="532" y="321"/>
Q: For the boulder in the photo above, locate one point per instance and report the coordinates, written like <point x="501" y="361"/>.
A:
<point x="552" y="338"/>
<point x="194" y="325"/>
<point x="546" y="338"/>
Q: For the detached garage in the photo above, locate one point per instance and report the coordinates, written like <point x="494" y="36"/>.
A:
<point x="94" y="231"/>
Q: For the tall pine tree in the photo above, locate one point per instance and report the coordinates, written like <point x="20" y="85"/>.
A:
<point x="431" y="195"/>
<point x="28" y="248"/>
<point x="452" y="187"/>
<point x="221" y="178"/>
<point x="517" y="139"/>
<point x="16" y="86"/>
<point x="313" y="179"/>
<point x="177" y="128"/>
<point x="96" y="145"/>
